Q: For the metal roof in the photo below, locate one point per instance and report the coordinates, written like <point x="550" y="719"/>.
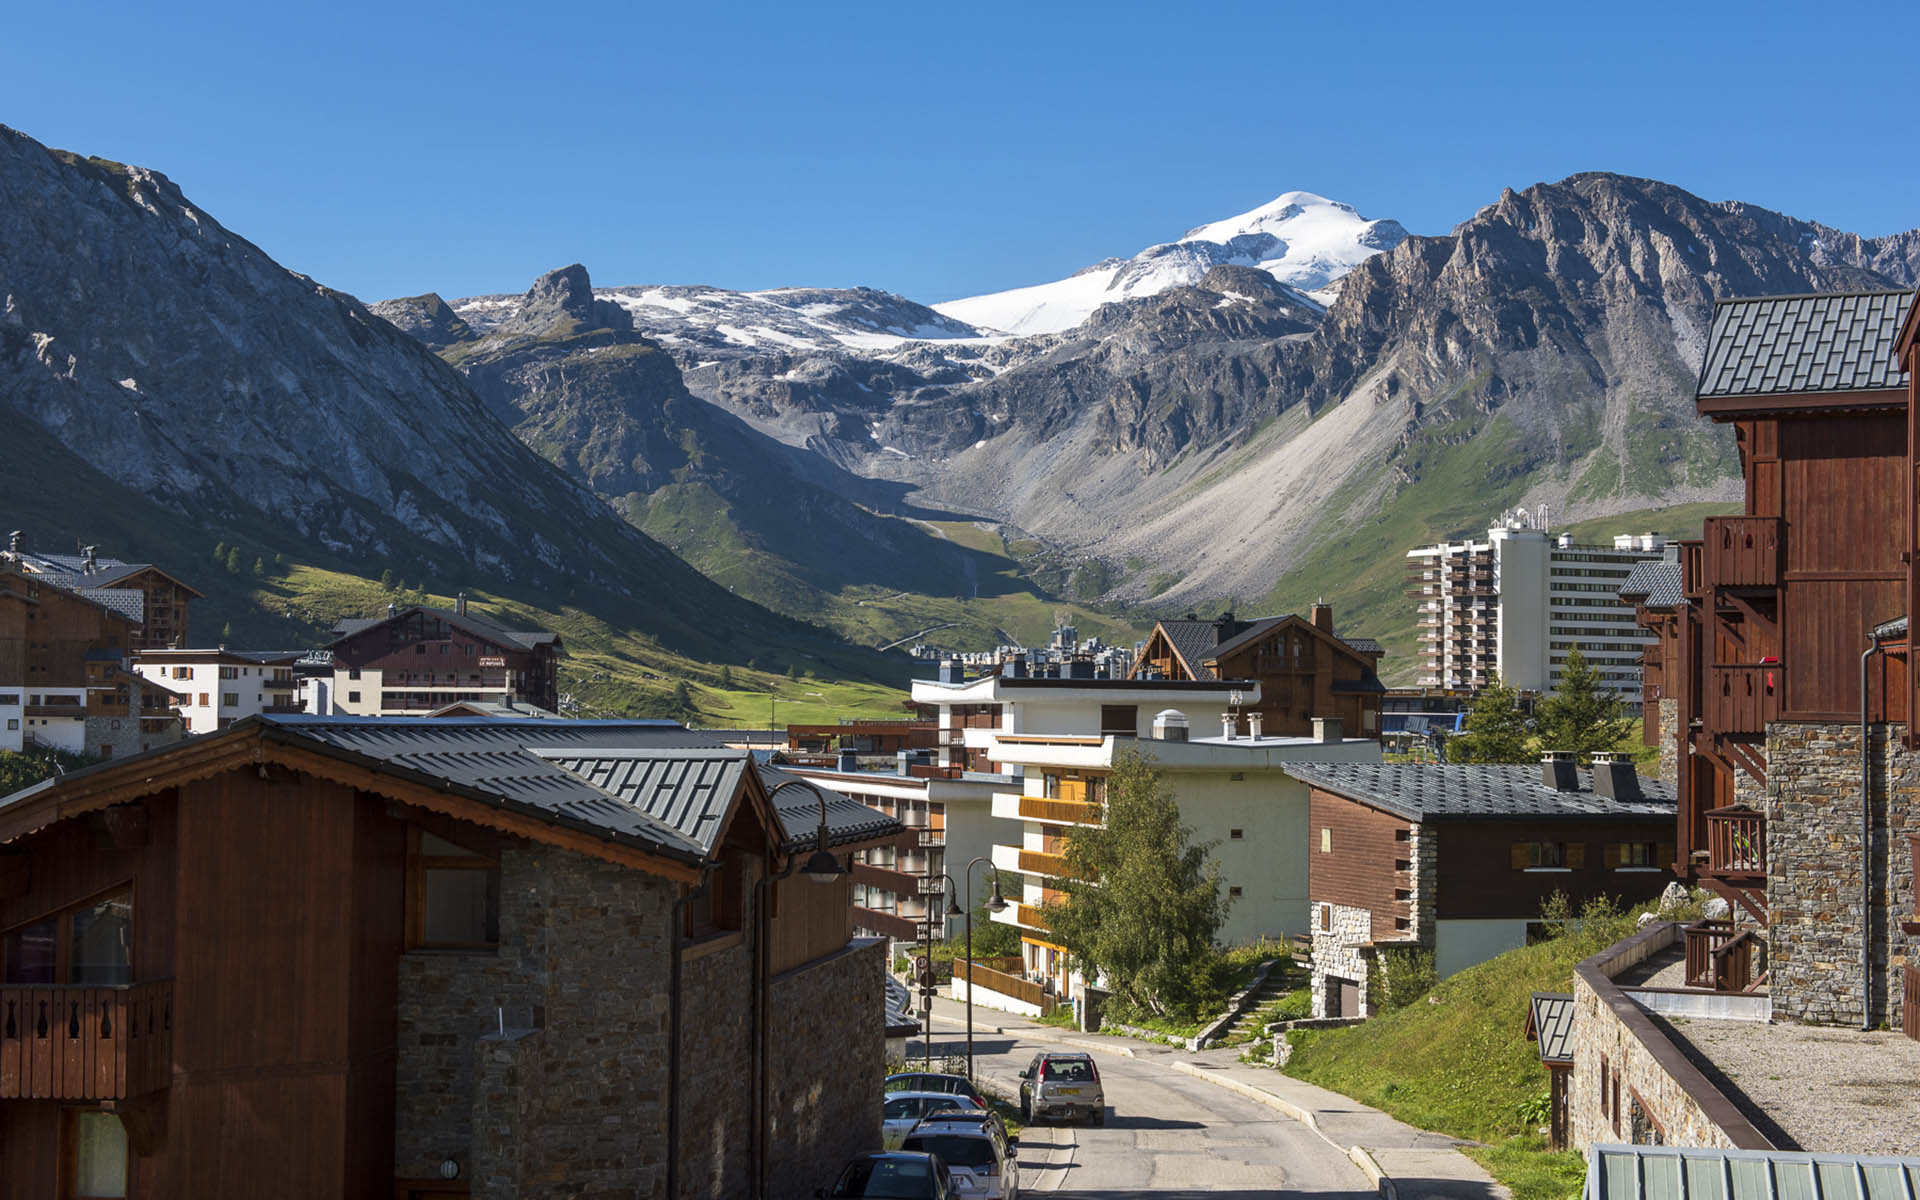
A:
<point x="1550" y="1022"/>
<point x="1198" y="642"/>
<point x="130" y="603"/>
<point x="1657" y="580"/>
<point x="1468" y="791"/>
<point x="691" y="791"/>
<point x="1778" y="345"/>
<point x="848" y="820"/>
<point x="473" y="623"/>
<point x="1686" y="1173"/>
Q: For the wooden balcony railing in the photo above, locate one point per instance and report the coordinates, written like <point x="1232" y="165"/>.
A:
<point x="1703" y="938"/>
<point x="1041" y="863"/>
<point x="977" y="974"/>
<point x="1736" y="842"/>
<point x="1031" y="916"/>
<point x="1718" y="957"/>
<point x="85" y="1043"/>
<point x="1743" y="551"/>
<point x="1744" y="698"/>
<point x="1693" y="569"/>
<point x="1059" y="810"/>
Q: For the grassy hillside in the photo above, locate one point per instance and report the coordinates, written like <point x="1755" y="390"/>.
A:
<point x="1456" y="1061"/>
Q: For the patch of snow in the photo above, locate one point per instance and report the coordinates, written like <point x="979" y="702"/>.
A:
<point x="130" y="384"/>
<point x="896" y="450"/>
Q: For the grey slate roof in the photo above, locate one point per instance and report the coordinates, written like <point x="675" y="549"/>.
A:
<point x="130" y="603"/>
<point x="1658" y="581"/>
<point x="1475" y="791"/>
<point x="473" y="623"/>
<point x="1778" y="345"/>
<point x="1685" y="1173"/>
<point x="1552" y="1025"/>
<point x="1196" y="642"/>
<point x="1364" y="645"/>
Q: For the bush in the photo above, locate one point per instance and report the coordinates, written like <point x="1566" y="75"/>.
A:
<point x="1402" y="976"/>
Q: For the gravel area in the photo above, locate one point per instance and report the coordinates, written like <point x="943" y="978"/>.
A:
<point x="1667" y="969"/>
<point x="1821" y="1089"/>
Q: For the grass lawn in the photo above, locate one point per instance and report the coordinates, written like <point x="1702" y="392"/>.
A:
<point x="1457" y="1063"/>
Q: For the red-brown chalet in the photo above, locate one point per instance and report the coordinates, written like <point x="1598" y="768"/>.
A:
<point x="418" y="660"/>
<point x="1304" y="668"/>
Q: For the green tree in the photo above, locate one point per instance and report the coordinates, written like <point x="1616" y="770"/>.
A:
<point x="1142" y="904"/>
<point x="233" y="560"/>
<point x="726" y="677"/>
<point x="1581" y="715"/>
<point x="682" y="697"/>
<point x="793" y="670"/>
<point x="1496" y="729"/>
<point x="386" y="579"/>
<point x="219" y="553"/>
<point x="259" y="567"/>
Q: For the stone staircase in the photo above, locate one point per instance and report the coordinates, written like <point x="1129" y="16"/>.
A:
<point x="1283" y="976"/>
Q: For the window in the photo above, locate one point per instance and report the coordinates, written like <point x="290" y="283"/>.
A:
<point x="1632" y="854"/>
<point x="454" y="895"/>
<point x="13" y="723"/>
<point x="229" y="672"/>
<point x="203" y="700"/>
<point x="354" y="673"/>
<point x="420" y="649"/>
<point x="1236" y="834"/>
<point x="94" y="1155"/>
<point x="230" y="699"/>
<point x="1120" y="719"/>
<point x="353" y="697"/>
<point x="1234" y="892"/>
<point x="90" y="944"/>
<point x="1548" y="856"/>
<point x="1326" y="840"/>
<point x="1326" y="916"/>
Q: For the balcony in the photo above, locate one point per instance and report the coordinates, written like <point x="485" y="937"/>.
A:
<point x="85" y="1043"/>
<point x="1693" y="569"/>
<point x="1736" y="842"/>
<point x="1066" y="812"/>
<point x="1718" y="957"/>
<point x="899" y="928"/>
<point x="1031" y="916"/>
<point x="1743" y="551"/>
<point x="1036" y="862"/>
<point x="1743" y="699"/>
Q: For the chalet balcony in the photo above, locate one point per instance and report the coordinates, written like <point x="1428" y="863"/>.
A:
<point x="1031" y="916"/>
<point x="1067" y="812"/>
<point x="1743" y="551"/>
<point x="1743" y="699"/>
<point x="1693" y="569"/>
<point x="900" y="929"/>
<point x="85" y="1043"/>
<point x="1736" y="843"/>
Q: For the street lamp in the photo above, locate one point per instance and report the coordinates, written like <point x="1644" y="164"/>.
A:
<point x="926" y="987"/>
<point x="822" y="866"/>
<point x="995" y="903"/>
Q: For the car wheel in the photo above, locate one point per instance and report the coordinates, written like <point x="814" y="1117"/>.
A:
<point x="1026" y="1110"/>
<point x="1100" y="1118"/>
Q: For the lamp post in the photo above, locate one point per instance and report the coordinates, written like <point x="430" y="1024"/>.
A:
<point x="996" y="903"/>
<point x="926" y="987"/>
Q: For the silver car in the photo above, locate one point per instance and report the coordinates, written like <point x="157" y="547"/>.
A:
<point x="1062" y="1086"/>
<point x="901" y="1111"/>
<point x="976" y="1149"/>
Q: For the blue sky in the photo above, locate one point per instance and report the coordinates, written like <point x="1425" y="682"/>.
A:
<point x="934" y="150"/>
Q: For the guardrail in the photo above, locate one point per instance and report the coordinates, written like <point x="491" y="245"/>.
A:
<point x="85" y="1043"/>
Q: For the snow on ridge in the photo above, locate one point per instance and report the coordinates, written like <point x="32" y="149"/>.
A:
<point x="1304" y="240"/>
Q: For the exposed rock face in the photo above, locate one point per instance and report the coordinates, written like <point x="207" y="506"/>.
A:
<point x="180" y="360"/>
<point x="426" y="319"/>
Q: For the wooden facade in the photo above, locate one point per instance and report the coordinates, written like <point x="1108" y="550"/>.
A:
<point x="47" y="632"/>
<point x="242" y="1039"/>
<point x="419" y="659"/>
<point x="1363" y="860"/>
<point x="1304" y="669"/>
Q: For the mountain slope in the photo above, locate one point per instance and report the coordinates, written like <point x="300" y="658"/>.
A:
<point x="168" y="353"/>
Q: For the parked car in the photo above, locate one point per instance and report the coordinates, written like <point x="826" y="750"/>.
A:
<point x="978" y="1153"/>
<point x="901" y="1111"/>
<point x="1062" y="1086"/>
<point x="929" y="1081"/>
<point x="891" y="1175"/>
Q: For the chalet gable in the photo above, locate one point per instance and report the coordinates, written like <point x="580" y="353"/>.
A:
<point x="1199" y="648"/>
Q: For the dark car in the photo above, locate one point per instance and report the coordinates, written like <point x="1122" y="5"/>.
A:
<point x="930" y="1081"/>
<point x="891" y="1175"/>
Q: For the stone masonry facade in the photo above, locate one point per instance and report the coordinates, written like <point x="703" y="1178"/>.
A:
<point x="571" y="1100"/>
<point x="1345" y="951"/>
<point x="1669" y="742"/>
<point x="1817" y="867"/>
<point x="1609" y="1061"/>
<point x="823" y="1109"/>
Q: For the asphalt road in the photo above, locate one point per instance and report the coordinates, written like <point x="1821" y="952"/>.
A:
<point x="1167" y="1135"/>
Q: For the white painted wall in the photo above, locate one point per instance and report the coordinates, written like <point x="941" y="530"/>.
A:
<point x="1520" y="572"/>
<point x="1460" y="944"/>
<point x="13" y="704"/>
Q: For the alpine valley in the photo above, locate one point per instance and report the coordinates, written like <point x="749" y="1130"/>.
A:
<point x="1269" y="409"/>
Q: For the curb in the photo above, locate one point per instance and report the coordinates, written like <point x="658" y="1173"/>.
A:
<point x="1356" y="1154"/>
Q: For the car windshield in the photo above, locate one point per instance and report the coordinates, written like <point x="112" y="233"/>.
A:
<point x="888" y="1179"/>
<point x="926" y="1083"/>
<point x="1068" y="1071"/>
<point x="901" y="1107"/>
<point x="954" y="1149"/>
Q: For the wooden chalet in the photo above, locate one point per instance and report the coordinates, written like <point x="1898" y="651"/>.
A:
<point x="1304" y="668"/>
<point x="326" y="957"/>
<point x="1782" y="614"/>
<point x="417" y="660"/>
<point x="154" y="601"/>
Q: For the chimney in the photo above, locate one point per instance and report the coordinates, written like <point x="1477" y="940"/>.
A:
<point x="1558" y="772"/>
<point x="951" y="671"/>
<point x="1253" y="724"/>
<point x="88" y="562"/>
<point x="1229" y="724"/>
<point x="390" y="609"/>
<point x="1015" y="667"/>
<point x="1170" y="725"/>
<point x="1328" y="730"/>
<point x="849" y="760"/>
<point x="1615" y="778"/>
<point x="460" y="604"/>
<point x="1322" y="614"/>
<point x="16" y="541"/>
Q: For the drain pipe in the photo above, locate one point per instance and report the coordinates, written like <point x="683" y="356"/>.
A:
<point x="1874" y="646"/>
<point x="676" y="925"/>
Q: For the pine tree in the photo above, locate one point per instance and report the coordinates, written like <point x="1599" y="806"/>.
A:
<point x="386" y="579"/>
<point x="219" y="553"/>
<point x="1582" y="715"/>
<point x="259" y="567"/>
<point x="1143" y="904"/>
<point x="726" y="678"/>
<point x="233" y="560"/>
<point x="1496" y="729"/>
<point x="682" y="697"/>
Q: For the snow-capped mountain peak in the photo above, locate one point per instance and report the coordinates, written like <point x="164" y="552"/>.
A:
<point x="1307" y="242"/>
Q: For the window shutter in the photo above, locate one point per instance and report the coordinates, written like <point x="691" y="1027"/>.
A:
<point x="1668" y="851"/>
<point x="1575" y="855"/>
<point x="1610" y="855"/>
<point x="1522" y="856"/>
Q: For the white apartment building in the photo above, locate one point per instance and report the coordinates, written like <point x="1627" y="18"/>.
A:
<point x="216" y="687"/>
<point x="1519" y="601"/>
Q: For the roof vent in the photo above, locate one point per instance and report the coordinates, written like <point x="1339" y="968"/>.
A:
<point x="1615" y="778"/>
<point x="951" y="671"/>
<point x="460" y="604"/>
<point x="1170" y="725"/>
<point x="1558" y="772"/>
<point x="16" y="541"/>
<point x="1329" y="730"/>
<point x="1253" y="724"/>
<point x="1015" y="667"/>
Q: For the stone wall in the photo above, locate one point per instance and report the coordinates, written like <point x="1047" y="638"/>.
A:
<point x="582" y="958"/>
<point x="1338" y="954"/>
<point x="1669" y="742"/>
<point x="717" y="1069"/>
<point x="829" y="1054"/>
<point x="1661" y="1096"/>
<point x="1817" y="868"/>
